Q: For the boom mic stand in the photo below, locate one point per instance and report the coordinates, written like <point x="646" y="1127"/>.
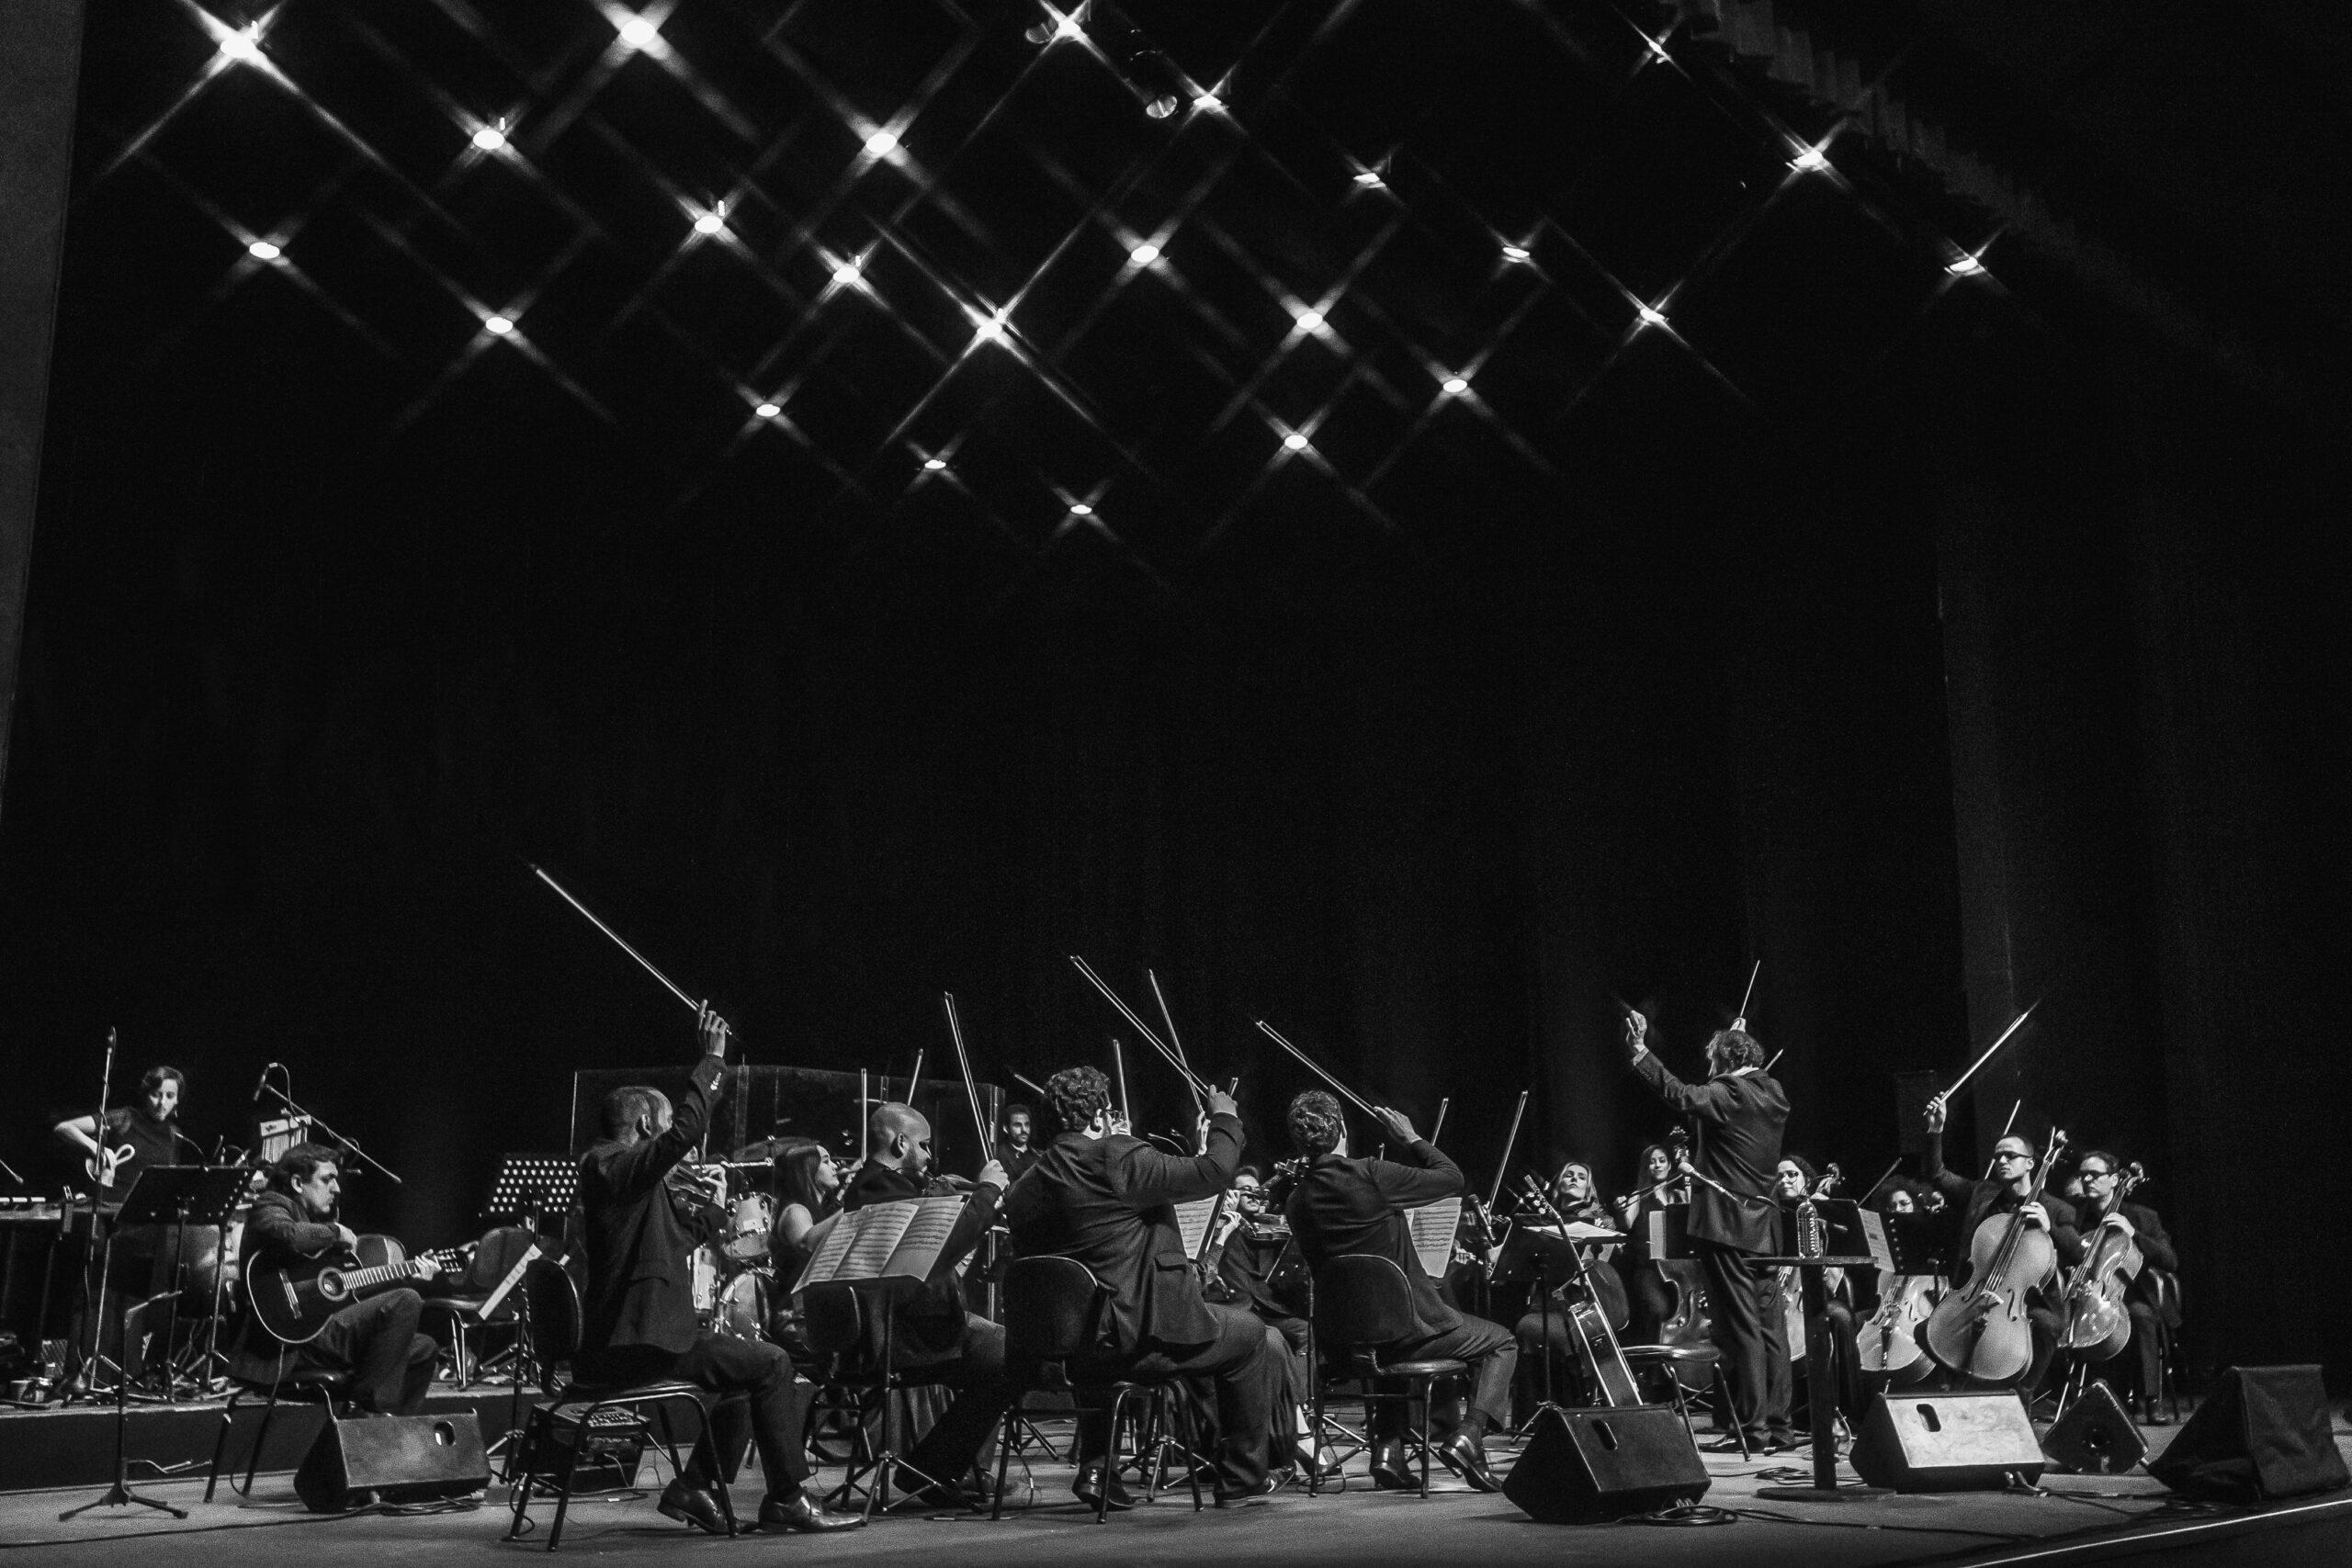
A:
<point x="348" y="1145"/>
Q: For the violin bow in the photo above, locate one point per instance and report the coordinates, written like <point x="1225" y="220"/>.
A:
<point x="1987" y="1056"/>
<point x="1445" y="1102"/>
<point x="590" y="916"/>
<point x="1199" y="1089"/>
<point x="1183" y="1063"/>
<point x="1025" y="1081"/>
<point x="1495" y="1193"/>
<point x="1309" y="1063"/>
<point x="971" y="1088"/>
<point x="1119" y="1064"/>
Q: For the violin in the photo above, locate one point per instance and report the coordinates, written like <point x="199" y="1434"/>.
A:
<point x="2098" y="1324"/>
<point x="1981" y="1332"/>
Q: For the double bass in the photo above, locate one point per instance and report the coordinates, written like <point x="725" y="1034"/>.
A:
<point x="2098" y="1322"/>
<point x="1981" y="1331"/>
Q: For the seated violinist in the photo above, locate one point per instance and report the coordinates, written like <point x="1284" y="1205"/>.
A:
<point x="2104" y="1206"/>
<point x="1343" y="1207"/>
<point x="932" y="1330"/>
<point x="2008" y="1192"/>
<point x="1650" y="1299"/>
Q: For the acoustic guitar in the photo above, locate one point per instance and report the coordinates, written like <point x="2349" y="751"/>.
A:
<point x="293" y="1301"/>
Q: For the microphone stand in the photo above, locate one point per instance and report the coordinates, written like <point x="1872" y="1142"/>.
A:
<point x="348" y="1144"/>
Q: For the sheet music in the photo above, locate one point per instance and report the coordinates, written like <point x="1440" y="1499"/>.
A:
<point x="1882" y="1253"/>
<point x="926" y="1237"/>
<point x="879" y="1227"/>
<point x="829" y="1242"/>
<point x="1433" y="1228"/>
<point x="1192" y="1222"/>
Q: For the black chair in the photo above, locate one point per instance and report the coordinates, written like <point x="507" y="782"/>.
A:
<point x="1056" y="1314"/>
<point x="329" y="1390"/>
<point x="568" y="1419"/>
<point x="495" y="1257"/>
<point x="848" y="1327"/>
<point x="1361" y="1305"/>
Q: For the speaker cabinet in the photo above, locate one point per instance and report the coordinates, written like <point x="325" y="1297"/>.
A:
<point x="2263" y="1433"/>
<point x="1946" y="1442"/>
<point x="2096" y="1435"/>
<point x="400" y="1459"/>
<point x="1584" y="1467"/>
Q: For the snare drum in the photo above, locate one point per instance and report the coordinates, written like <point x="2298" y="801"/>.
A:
<point x="749" y="1222"/>
<point x="744" y="1307"/>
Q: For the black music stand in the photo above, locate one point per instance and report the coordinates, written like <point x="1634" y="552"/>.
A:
<point x="178" y="1195"/>
<point x="1528" y="1254"/>
<point x="530" y="1186"/>
<point x="1821" y="1383"/>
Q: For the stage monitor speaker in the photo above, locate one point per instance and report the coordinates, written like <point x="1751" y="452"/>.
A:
<point x="2096" y="1435"/>
<point x="1586" y="1467"/>
<point x="1946" y="1442"/>
<point x="400" y="1459"/>
<point x="2263" y="1433"/>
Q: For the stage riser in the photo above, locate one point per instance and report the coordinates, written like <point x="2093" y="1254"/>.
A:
<point x="75" y="1448"/>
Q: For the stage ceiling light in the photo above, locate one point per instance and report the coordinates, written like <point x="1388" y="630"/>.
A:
<point x="1295" y="442"/>
<point x="639" y="33"/>
<point x="1454" y="386"/>
<point x="1144" y="255"/>
<point x="768" y="410"/>
<point x="498" y="326"/>
<point x="261" y="250"/>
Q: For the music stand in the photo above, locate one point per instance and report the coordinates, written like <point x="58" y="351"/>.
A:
<point x="1821" y="1382"/>
<point x="178" y="1195"/>
<point x="1527" y="1254"/>
<point x="528" y="1185"/>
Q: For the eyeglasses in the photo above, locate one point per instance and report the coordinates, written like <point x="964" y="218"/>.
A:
<point x="2012" y="1154"/>
<point x="2096" y="1175"/>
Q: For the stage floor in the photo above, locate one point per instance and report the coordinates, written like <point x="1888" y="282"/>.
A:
<point x="2087" y="1518"/>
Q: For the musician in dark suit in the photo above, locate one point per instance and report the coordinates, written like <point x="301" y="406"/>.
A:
<point x="1106" y="1198"/>
<point x="1342" y="1207"/>
<point x="931" y="1331"/>
<point x="1738" y="1114"/>
<point x="2151" y="1314"/>
<point x="1018" y="1150"/>
<point x="2007" y="1192"/>
<point x="373" y="1343"/>
<point x="637" y="1319"/>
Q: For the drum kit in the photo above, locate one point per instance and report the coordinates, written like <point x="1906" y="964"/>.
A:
<point x="733" y="1279"/>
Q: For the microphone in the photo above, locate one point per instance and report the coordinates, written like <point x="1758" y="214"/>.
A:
<point x="262" y="1083"/>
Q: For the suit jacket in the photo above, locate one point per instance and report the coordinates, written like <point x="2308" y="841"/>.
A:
<point x="1018" y="1163"/>
<point x="1109" y="1202"/>
<point x="279" y="1231"/>
<point x="1980" y="1201"/>
<point x="640" y="1297"/>
<point x="1738" y="1118"/>
<point x="933" y="1315"/>
<point x="1342" y="1207"/>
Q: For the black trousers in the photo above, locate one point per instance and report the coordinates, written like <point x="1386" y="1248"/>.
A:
<point x="374" y="1345"/>
<point x="984" y="1390"/>
<point x="1751" y="1338"/>
<point x="2146" y="1351"/>
<point x="1244" y="1368"/>
<point x="777" y="1414"/>
<point x="1492" y="1352"/>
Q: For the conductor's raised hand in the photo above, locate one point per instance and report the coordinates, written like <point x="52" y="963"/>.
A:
<point x="1397" y="1125"/>
<point x="1937" y="1113"/>
<point x="712" y="1031"/>
<point x="1637" y="1031"/>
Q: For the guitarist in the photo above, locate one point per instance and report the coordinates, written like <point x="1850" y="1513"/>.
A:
<point x="372" y="1343"/>
<point x="2011" y="1186"/>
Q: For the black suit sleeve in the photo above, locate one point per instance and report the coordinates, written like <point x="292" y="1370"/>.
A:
<point x="639" y="1167"/>
<point x="1712" y="1101"/>
<point x="1407" y="1186"/>
<point x="1146" y="1178"/>
<point x="2156" y="1246"/>
<point x="276" y="1227"/>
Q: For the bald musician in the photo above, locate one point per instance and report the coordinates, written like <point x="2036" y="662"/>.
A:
<point x="932" y="1333"/>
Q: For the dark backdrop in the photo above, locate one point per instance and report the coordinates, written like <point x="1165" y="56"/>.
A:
<point x="1944" y="644"/>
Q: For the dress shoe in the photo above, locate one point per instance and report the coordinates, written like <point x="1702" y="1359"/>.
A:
<point x="2151" y="1414"/>
<point x="1093" y="1483"/>
<point x="1389" y="1470"/>
<point x="803" y="1514"/>
<point x="1466" y="1457"/>
<point x="696" y="1505"/>
<point x="1256" y="1495"/>
<point x="1731" y="1445"/>
<point x="952" y="1494"/>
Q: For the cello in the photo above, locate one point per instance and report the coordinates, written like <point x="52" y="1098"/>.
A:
<point x="2098" y="1322"/>
<point x="1981" y="1331"/>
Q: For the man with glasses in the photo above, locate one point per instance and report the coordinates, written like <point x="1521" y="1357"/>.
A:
<point x="2103" y="1208"/>
<point x="2007" y="1192"/>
